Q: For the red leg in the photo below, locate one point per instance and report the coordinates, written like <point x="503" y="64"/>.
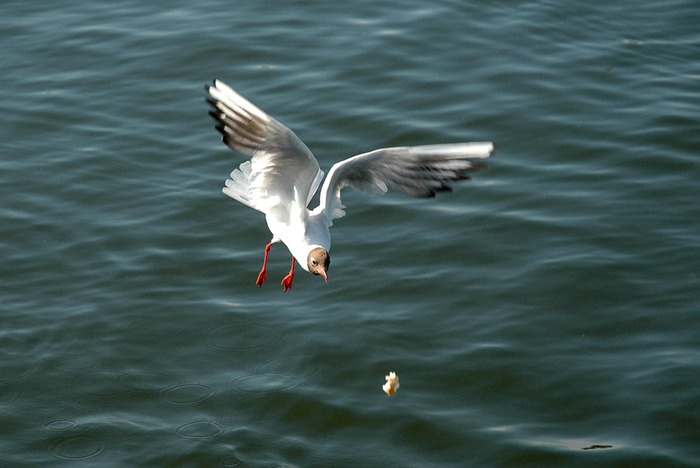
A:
<point x="262" y="276"/>
<point x="287" y="280"/>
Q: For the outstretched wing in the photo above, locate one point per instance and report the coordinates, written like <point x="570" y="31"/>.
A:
<point x="281" y="172"/>
<point x="419" y="171"/>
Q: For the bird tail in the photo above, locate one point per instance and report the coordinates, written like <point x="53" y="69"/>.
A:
<point x="238" y="185"/>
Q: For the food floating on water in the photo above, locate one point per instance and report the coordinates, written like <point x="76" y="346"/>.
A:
<point x="392" y="384"/>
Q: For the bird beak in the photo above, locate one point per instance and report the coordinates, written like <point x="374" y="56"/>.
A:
<point x="325" y="275"/>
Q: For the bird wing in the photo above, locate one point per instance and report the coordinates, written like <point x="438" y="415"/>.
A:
<point x="419" y="171"/>
<point x="282" y="173"/>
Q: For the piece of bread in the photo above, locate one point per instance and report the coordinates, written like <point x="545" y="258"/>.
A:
<point x="392" y="384"/>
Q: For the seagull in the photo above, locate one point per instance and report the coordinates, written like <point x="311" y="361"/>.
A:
<point x="282" y="175"/>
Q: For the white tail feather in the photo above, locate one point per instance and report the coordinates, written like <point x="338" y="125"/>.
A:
<point x="238" y="186"/>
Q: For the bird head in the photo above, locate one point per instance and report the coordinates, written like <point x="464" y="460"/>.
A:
<point x="319" y="261"/>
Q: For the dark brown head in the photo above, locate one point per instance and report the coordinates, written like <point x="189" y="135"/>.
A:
<point x="319" y="261"/>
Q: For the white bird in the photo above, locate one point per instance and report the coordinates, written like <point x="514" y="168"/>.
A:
<point x="282" y="176"/>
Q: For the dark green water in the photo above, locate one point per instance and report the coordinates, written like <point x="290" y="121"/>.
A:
<point x="544" y="314"/>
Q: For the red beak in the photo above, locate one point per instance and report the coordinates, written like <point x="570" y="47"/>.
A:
<point x="325" y="275"/>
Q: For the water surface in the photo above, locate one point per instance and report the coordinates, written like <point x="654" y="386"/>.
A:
<point x="544" y="314"/>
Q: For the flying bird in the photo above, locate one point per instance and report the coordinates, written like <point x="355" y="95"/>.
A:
<point x="282" y="175"/>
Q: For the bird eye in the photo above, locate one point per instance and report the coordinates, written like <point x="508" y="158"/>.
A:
<point x="313" y="261"/>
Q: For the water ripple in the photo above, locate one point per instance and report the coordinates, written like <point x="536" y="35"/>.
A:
<point x="16" y="367"/>
<point x="265" y="382"/>
<point x="230" y="461"/>
<point x="188" y="394"/>
<point x="59" y="425"/>
<point x="199" y="430"/>
<point x="75" y="362"/>
<point x="139" y="382"/>
<point x="78" y="447"/>
<point x="240" y="336"/>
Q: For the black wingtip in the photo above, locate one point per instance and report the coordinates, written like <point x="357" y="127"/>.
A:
<point x="221" y="128"/>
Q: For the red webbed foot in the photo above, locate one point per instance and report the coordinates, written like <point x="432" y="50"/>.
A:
<point x="287" y="280"/>
<point x="261" y="278"/>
